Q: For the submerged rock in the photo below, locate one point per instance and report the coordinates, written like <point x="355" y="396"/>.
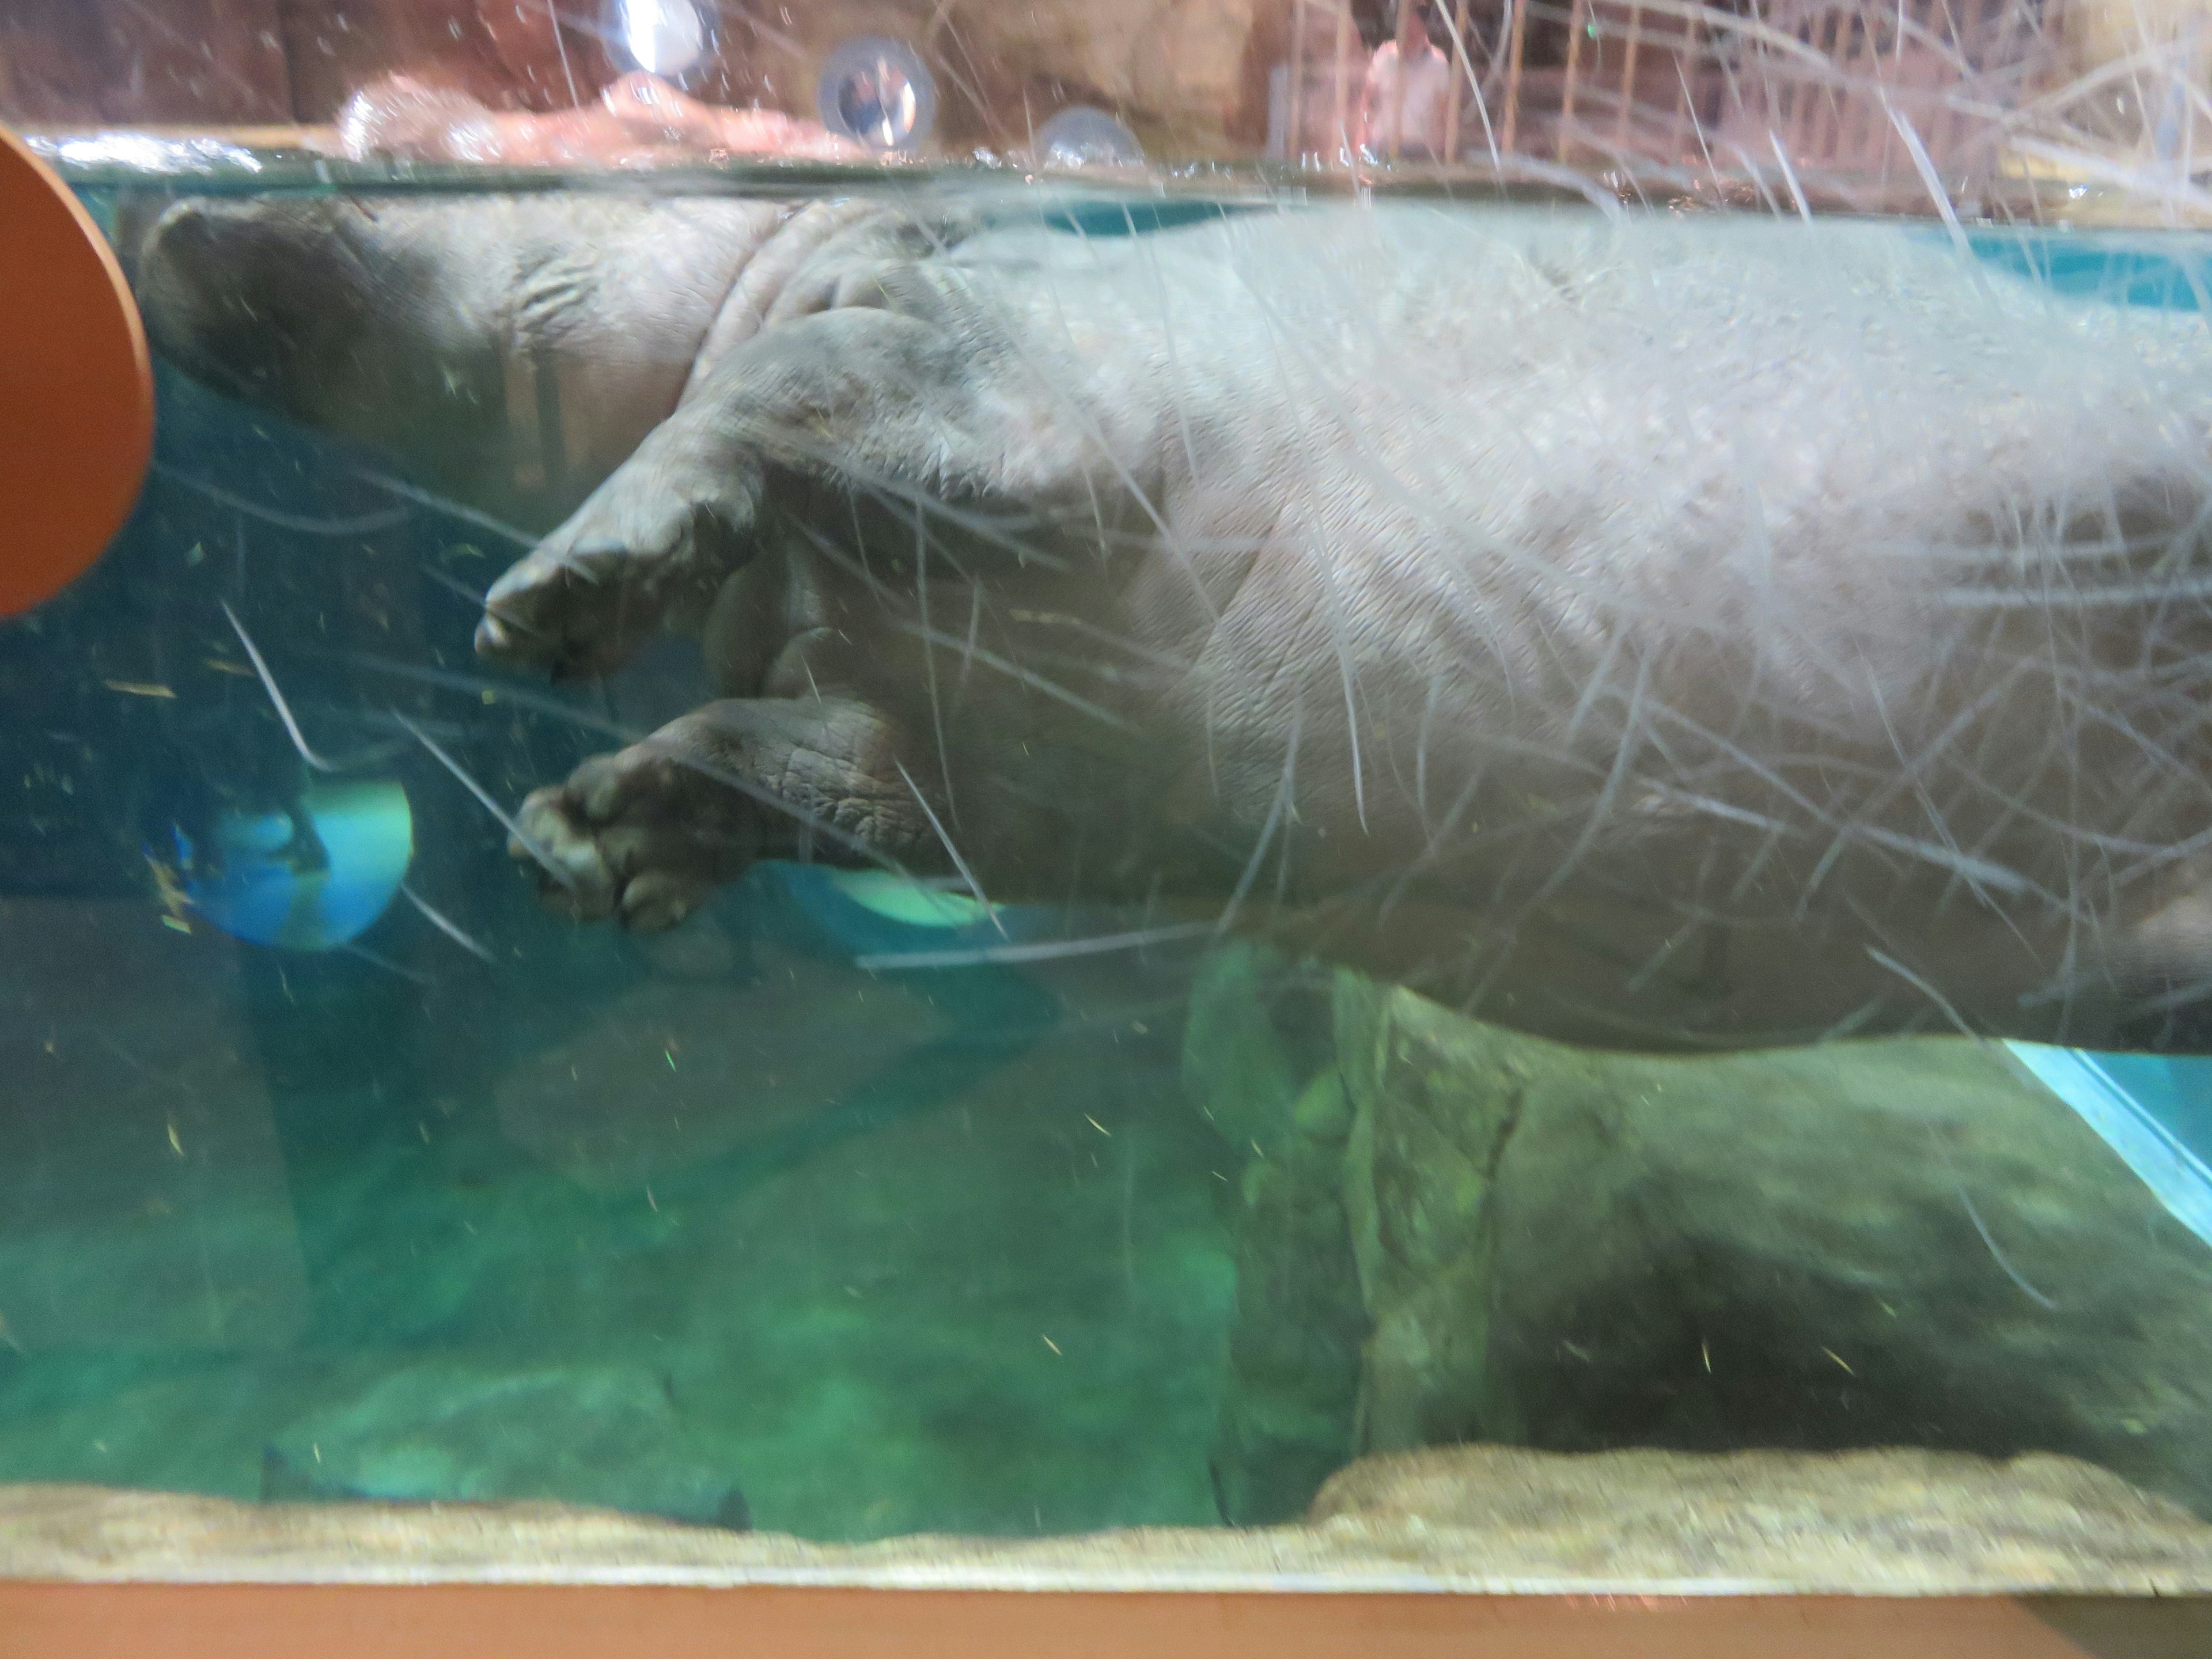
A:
<point x="1256" y="1029"/>
<point x="1897" y="1242"/>
<point x="1257" y="1067"/>
<point x="447" y="1431"/>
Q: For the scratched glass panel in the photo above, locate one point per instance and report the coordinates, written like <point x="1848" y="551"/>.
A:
<point x="1019" y="769"/>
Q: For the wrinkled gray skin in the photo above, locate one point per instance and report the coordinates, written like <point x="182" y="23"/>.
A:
<point x="1663" y="634"/>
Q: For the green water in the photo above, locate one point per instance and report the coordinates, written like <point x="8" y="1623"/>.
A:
<point x="708" y="1226"/>
<point x="718" y="1225"/>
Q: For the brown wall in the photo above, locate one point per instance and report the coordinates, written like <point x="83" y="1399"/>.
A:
<point x="1190" y="76"/>
<point x="242" y="61"/>
<point x="173" y="60"/>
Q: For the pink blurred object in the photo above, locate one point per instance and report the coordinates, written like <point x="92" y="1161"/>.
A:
<point x="638" y="121"/>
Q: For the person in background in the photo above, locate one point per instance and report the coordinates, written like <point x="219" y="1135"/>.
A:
<point x="1402" y="104"/>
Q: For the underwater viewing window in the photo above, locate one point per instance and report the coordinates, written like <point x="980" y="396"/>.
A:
<point x="1356" y="826"/>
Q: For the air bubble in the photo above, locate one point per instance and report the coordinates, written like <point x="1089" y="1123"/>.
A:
<point x="877" y="92"/>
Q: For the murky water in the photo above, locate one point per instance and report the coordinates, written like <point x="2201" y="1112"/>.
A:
<point x="332" y="1164"/>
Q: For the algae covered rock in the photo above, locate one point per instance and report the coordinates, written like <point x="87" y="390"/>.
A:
<point x="1904" y="1241"/>
<point x="1256" y="1030"/>
<point x="607" y="1436"/>
<point x="1258" y="1067"/>
<point x="1295" y="1346"/>
<point x="1896" y="1242"/>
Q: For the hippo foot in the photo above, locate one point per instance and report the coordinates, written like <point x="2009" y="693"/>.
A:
<point x="645" y="834"/>
<point x="649" y="550"/>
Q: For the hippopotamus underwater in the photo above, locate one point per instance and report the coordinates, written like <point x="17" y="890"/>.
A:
<point x="1652" y="632"/>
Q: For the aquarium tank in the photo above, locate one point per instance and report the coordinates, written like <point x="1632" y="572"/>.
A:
<point x="1409" y="794"/>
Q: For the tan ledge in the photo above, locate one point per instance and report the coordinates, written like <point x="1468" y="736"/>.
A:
<point x="1470" y="1520"/>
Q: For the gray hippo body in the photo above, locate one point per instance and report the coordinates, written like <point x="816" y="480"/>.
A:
<point x="1657" y="634"/>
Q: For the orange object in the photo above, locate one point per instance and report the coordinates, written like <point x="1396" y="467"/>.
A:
<point x="76" y="386"/>
<point x="628" y="1622"/>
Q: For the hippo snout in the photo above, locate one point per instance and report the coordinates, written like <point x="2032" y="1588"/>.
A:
<point x="261" y="299"/>
<point x="202" y="271"/>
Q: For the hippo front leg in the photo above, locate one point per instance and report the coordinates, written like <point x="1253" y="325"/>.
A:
<point x="656" y="541"/>
<point x="645" y="834"/>
<point x="646" y="551"/>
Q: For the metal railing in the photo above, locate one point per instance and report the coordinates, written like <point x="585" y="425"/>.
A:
<point x="1833" y="102"/>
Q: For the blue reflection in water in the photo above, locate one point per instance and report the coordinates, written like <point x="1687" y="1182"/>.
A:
<point x="251" y="884"/>
<point x="2154" y="1110"/>
<point x="2173" y="275"/>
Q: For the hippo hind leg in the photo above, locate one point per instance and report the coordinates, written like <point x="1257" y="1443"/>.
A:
<point x="643" y="836"/>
